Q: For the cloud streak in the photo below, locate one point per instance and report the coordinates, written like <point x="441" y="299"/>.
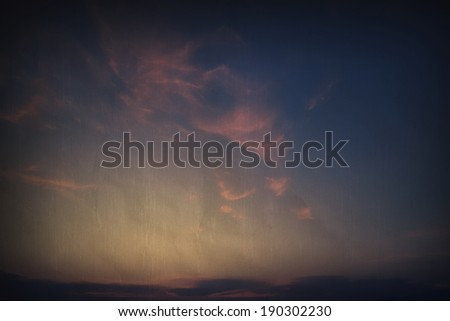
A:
<point x="65" y="186"/>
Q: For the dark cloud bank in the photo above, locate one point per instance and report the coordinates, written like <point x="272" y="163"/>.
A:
<point x="15" y="287"/>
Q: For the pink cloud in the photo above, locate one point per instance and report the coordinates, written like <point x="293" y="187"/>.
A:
<point x="157" y="73"/>
<point x="228" y="210"/>
<point x="230" y="195"/>
<point x="154" y="81"/>
<point x="303" y="213"/>
<point x="161" y="78"/>
<point x="277" y="186"/>
<point x="241" y="123"/>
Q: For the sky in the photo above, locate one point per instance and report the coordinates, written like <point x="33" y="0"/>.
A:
<point x="74" y="76"/>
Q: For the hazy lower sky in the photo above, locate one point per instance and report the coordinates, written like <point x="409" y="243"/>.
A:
<point x="76" y="76"/>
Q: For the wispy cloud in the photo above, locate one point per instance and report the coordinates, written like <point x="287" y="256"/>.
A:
<point x="239" y="124"/>
<point x="228" y="210"/>
<point x="145" y="80"/>
<point x="54" y="183"/>
<point x="66" y="187"/>
<point x="322" y="96"/>
<point x="231" y="195"/>
<point x="162" y="79"/>
<point x="162" y="85"/>
<point x="28" y="110"/>
<point x="277" y="185"/>
<point x="303" y="213"/>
